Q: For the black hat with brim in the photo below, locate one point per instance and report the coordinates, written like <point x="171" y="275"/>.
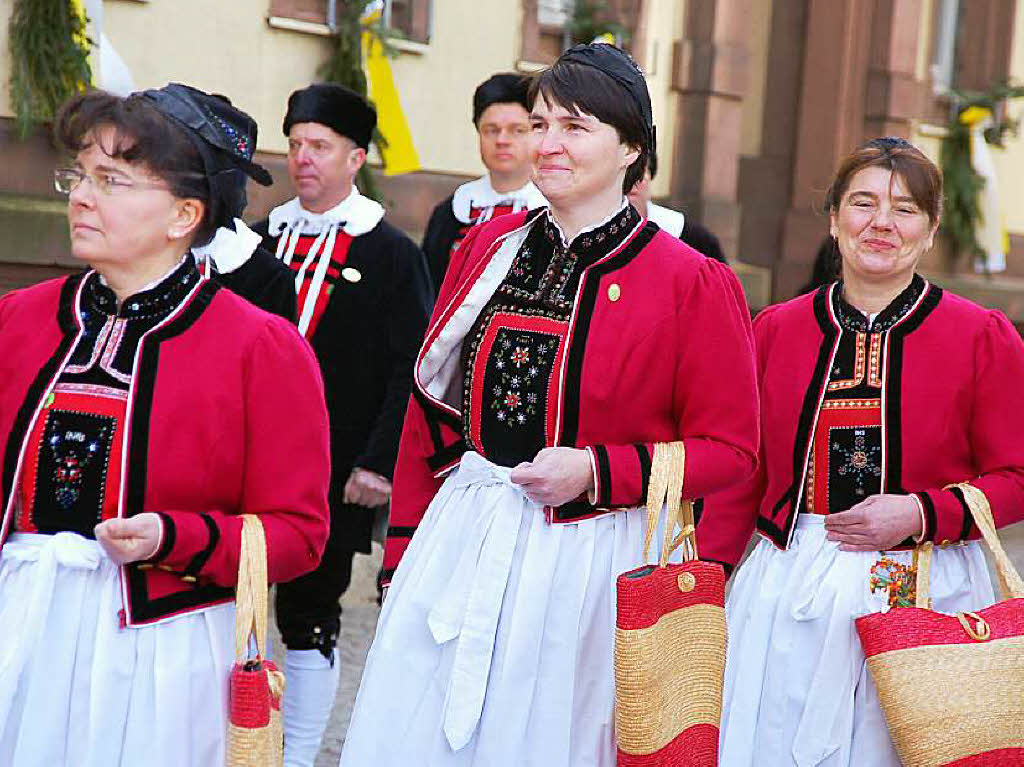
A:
<point x="339" y="108"/>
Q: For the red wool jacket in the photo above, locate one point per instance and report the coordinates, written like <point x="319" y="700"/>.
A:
<point x="659" y="349"/>
<point x="953" y="411"/>
<point x="225" y="416"/>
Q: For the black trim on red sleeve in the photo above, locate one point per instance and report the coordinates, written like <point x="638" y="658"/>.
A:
<point x="199" y="560"/>
<point x="604" y="475"/>
<point x="968" y="520"/>
<point x="170" y="534"/>
<point x="929" y="515"/>
<point x="698" y="509"/>
<point x="644" y="456"/>
<point x="401" y="531"/>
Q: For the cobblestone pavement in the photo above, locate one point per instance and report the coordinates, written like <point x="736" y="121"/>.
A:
<point x="360" y="619"/>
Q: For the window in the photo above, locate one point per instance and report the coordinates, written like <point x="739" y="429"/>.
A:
<point x="944" y="46"/>
<point x="553" y="13"/>
<point x="545" y="32"/>
<point x="410" y="19"/>
<point x="312" y="11"/>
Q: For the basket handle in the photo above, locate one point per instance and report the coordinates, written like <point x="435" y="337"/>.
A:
<point x="251" y="591"/>
<point x="1010" y="584"/>
<point x="665" y="489"/>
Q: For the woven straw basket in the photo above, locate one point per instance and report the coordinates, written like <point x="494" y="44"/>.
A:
<point x="952" y="686"/>
<point x="256" y="686"/>
<point x="670" y="639"/>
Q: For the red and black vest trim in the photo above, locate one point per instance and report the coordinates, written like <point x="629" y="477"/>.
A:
<point x="446" y="452"/>
<point x="70" y="329"/>
<point x="907" y="317"/>
<point x="143" y="607"/>
<point x="580" y="330"/>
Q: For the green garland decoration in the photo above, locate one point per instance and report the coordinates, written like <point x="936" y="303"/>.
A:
<point x="48" y="63"/>
<point x="962" y="185"/>
<point x="345" y="67"/>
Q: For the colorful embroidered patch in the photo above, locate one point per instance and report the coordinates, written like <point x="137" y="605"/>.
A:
<point x="898" y="580"/>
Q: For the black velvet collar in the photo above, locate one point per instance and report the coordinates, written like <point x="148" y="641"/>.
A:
<point x="156" y="301"/>
<point x="852" y="319"/>
<point x="594" y="244"/>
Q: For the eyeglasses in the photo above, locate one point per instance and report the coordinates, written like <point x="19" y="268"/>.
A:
<point x="66" y="180"/>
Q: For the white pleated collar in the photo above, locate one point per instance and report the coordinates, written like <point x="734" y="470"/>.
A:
<point x="481" y="194"/>
<point x="355" y="215"/>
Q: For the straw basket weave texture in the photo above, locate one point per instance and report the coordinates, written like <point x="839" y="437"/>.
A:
<point x="951" y="685"/>
<point x="670" y="639"/>
<point x="256" y="686"/>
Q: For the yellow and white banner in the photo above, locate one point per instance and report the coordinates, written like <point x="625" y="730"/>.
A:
<point x="399" y="155"/>
<point x="109" y="70"/>
<point x="989" y="230"/>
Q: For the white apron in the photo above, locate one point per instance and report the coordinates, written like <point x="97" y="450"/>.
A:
<point x="797" y="687"/>
<point x="78" y="689"/>
<point x="495" y="645"/>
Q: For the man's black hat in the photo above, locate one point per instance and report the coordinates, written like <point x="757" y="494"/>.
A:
<point x="225" y="137"/>
<point x="619" y="66"/>
<point x="502" y="88"/>
<point x="339" y="108"/>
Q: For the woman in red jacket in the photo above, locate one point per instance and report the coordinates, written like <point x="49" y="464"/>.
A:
<point x="142" y="411"/>
<point x="565" y="342"/>
<point x="877" y="393"/>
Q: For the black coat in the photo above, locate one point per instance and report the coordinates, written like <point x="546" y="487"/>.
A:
<point x="366" y="342"/>
<point x="265" y="282"/>
<point x="442" y="230"/>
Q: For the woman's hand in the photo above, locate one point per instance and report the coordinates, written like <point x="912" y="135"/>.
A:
<point x="132" y="539"/>
<point x="875" y="524"/>
<point x="556" y="475"/>
<point x="367" y="488"/>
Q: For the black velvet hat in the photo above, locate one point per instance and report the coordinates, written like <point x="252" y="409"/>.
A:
<point x="225" y="137"/>
<point x="502" y="88"/>
<point x="339" y="108"/>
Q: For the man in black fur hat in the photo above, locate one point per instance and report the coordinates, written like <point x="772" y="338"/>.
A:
<point x="502" y="119"/>
<point x="364" y="298"/>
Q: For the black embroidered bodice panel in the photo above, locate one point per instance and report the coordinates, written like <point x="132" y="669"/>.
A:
<point x="846" y="454"/>
<point x="512" y="354"/>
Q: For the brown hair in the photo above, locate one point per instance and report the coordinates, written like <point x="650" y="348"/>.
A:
<point x="144" y="136"/>
<point x="585" y="89"/>
<point x="919" y="174"/>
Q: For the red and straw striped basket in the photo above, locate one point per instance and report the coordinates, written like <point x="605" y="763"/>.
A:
<point x="952" y="686"/>
<point x="256" y="685"/>
<point x="670" y="639"/>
